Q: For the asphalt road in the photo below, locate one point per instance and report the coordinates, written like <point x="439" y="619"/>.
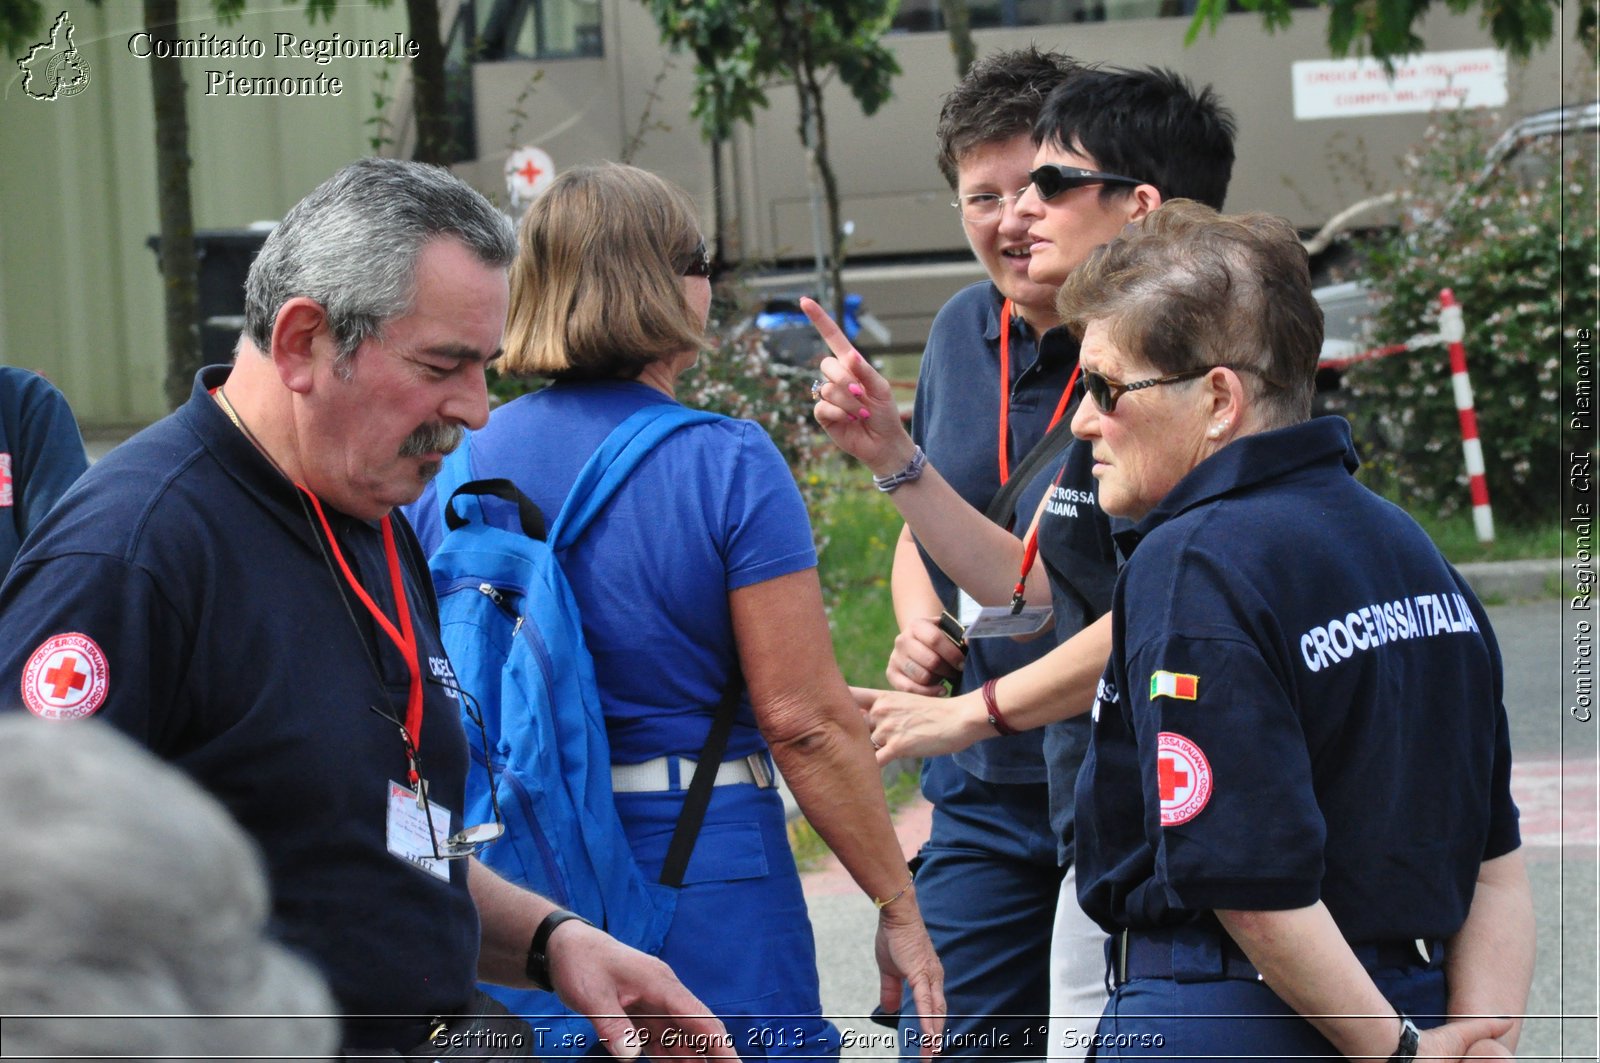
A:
<point x="1555" y="783"/>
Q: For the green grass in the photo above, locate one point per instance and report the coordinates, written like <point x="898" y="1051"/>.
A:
<point x="859" y="526"/>
<point x="1458" y="541"/>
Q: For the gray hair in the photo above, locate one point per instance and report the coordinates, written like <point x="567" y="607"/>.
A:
<point x="128" y="892"/>
<point x="352" y="245"/>
<point x="1189" y="287"/>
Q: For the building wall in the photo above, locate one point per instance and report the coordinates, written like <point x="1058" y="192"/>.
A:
<point x="80" y="294"/>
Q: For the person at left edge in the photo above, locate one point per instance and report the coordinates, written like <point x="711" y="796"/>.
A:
<point x="41" y="455"/>
<point x="229" y="588"/>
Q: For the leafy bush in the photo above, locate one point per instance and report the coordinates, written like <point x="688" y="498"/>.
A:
<point x="1519" y="251"/>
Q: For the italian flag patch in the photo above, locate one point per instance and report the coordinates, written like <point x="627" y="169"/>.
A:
<point x="1174" y="685"/>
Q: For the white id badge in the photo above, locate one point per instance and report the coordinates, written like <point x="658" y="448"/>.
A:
<point x="998" y="621"/>
<point x="408" y="830"/>
<point x="967" y="608"/>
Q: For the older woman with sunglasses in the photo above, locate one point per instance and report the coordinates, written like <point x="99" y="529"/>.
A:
<point x="1295" y="814"/>
<point x="700" y="570"/>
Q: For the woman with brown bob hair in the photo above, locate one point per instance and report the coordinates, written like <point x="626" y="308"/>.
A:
<point x="699" y="570"/>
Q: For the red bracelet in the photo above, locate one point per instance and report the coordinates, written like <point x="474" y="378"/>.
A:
<point x="996" y="721"/>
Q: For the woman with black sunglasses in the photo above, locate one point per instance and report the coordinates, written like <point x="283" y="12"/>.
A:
<point x="1295" y="817"/>
<point x="700" y="570"/>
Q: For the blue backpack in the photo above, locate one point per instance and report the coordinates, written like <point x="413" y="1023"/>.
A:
<point x="514" y="636"/>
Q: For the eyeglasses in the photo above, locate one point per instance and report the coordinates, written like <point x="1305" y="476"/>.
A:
<point x="985" y="206"/>
<point x="699" y="262"/>
<point x="1052" y="179"/>
<point x="1105" y="392"/>
<point x="468" y="841"/>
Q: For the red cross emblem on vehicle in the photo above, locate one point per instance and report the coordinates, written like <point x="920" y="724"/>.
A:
<point x="1183" y="778"/>
<point x="66" y="678"/>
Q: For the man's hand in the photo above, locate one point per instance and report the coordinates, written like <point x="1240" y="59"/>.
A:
<point x="636" y="1003"/>
<point x="922" y="658"/>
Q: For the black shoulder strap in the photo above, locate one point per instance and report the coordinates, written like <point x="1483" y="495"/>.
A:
<point x="527" y="512"/>
<point x="1054" y="442"/>
<point x="705" y="777"/>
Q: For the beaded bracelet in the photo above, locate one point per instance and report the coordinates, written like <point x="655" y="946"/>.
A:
<point x="912" y="471"/>
<point x="881" y="905"/>
<point x="996" y="721"/>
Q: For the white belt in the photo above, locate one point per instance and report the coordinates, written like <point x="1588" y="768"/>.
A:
<point x="656" y="775"/>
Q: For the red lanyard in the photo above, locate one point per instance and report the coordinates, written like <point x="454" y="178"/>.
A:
<point x="404" y="637"/>
<point x="1005" y="393"/>
<point x="1030" y="549"/>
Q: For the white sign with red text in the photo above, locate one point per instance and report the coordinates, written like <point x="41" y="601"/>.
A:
<point x="1346" y="88"/>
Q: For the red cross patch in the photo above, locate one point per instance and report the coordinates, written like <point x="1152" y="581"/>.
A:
<point x="66" y="678"/>
<point x="1183" y="777"/>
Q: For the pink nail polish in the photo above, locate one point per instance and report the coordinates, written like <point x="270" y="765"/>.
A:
<point x="857" y="390"/>
<point x="863" y="413"/>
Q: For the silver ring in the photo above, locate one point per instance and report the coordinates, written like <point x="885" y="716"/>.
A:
<point x="816" y="390"/>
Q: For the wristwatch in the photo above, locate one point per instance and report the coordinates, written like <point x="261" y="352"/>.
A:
<point x="538" y="966"/>
<point x="1406" y="1050"/>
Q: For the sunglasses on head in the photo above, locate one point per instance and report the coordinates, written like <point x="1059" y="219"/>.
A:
<point x="699" y="264"/>
<point x="1052" y="179"/>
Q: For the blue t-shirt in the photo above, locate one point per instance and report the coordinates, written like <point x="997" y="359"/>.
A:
<point x="957" y="422"/>
<point x="1304" y="702"/>
<point x="712" y="509"/>
<point x="41" y="454"/>
<point x="182" y="592"/>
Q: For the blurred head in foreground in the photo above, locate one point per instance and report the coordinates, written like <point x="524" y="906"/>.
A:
<point x="128" y="891"/>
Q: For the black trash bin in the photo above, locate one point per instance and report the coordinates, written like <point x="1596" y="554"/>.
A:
<point x="224" y="257"/>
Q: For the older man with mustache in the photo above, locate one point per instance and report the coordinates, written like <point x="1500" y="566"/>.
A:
<point x="229" y="587"/>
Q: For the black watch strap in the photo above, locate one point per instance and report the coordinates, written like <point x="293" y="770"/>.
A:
<point x="1406" y="1050"/>
<point x="538" y="966"/>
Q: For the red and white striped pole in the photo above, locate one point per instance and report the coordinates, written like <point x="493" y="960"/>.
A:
<point x="1453" y="330"/>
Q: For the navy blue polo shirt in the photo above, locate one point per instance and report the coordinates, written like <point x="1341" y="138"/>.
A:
<point x="956" y="420"/>
<point x="41" y="454"/>
<point x="180" y="593"/>
<point x="1079" y="554"/>
<point x="1304" y="703"/>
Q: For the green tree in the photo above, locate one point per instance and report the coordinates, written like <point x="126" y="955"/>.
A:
<point x="743" y="47"/>
<point x="958" y="23"/>
<point x="429" y="103"/>
<point x="1387" y="28"/>
<point x="1518" y="249"/>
